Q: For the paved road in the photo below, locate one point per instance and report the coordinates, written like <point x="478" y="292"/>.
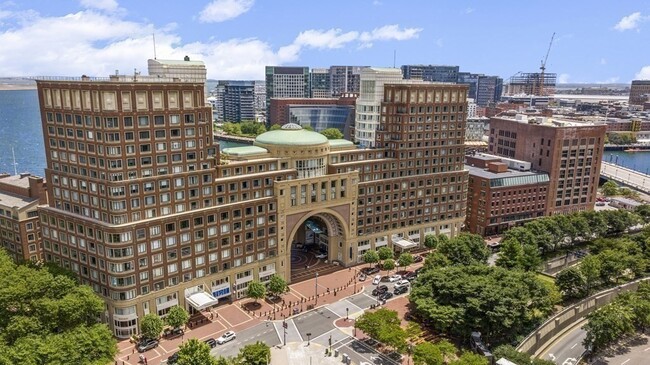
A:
<point x="637" y="352"/>
<point x="319" y="324"/>
<point x="567" y="349"/>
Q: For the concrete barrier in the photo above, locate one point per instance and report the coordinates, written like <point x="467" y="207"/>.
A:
<point x="569" y="315"/>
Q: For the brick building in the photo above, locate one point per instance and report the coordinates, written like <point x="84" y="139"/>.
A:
<point x="569" y="152"/>
<point x="502" y="193"/>
<point x="639" y="92"/>
<point x="149" y="215"/>
<point x="20" y="196"/>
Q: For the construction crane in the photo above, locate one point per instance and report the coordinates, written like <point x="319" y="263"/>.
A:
<point x="541" y="90"/>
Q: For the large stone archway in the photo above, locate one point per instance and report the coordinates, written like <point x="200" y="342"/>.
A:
<point x="338" y="244"/>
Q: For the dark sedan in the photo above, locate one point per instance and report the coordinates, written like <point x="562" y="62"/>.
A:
<point x="380" y="290"/>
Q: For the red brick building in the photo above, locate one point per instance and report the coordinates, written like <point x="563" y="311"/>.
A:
<point x="569" y="152"/>
<point x="499" y="197"/>
<point x="20" y="196"/>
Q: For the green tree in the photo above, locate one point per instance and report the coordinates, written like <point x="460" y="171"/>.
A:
<point x="590" y="269"/>
<point x="257" y="353"/>
<point x="434" y="260"/>
<point x="510" y="255"/>
<point x="405" y="259"/>
<point x="531" y="258"/>
<point x="430" y="241"/>
<point x="384" y="326"/>
<point x="388" y="265"/>
<point x="427" y="353"/>
<point x="465" y="249"/>
<point x="194" y="352"/>
<point x="371" y="257"/>
<point x="307" y="128"/>
<point x="572" y="283"/>
<point x="643" y="211"/>
<point x="607" y="324"/>
<point x="177" y="317"/>
<point x="332" y="133"/>
<point x="470" y="358"/>
<point x="275" y="127"/>
<point x="256" y="290"/>
<point x="499" y="303"/>
<point x="232" y="128"/>
<point x="277" y="285"/>
<point x="612" y="265"/>
<point x="46" y="317"/>
<point x="385" y="253"/>
<point x="151" y="325"/>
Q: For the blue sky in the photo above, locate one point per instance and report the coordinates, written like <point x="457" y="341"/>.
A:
<point x="596" y="41"/>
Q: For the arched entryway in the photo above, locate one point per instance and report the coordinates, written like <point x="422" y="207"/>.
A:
<point x="318" y="245"/>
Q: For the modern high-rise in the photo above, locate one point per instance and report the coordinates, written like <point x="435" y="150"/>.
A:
<point x="639" y="92"/>
<point x="434" y="73"/>
<point x="531" y="83"/>
<point x="20" y="233"/>
<point x="368" y="107"/>
<point x="237" y="100"/>
<point x="286" y="82"/>
<point x="345" y="79"/>
<point x="569" y="152"/>
<point x="489" y="89"/>
<point x="320" y="83"/>
<point x="147" y="212"/>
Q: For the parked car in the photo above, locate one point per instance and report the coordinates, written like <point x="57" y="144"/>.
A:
<point x="385" y="296"/>
<point x="172" y="359"/>
<point x="410" y="276"/>
<point x="370" y="270"/>
<point x="173" y="333"/>
<point x="363" y="277"/>
<point x="400" y="290"/>
<point x="147" y="344"/>
<point x="394" y="278"/>
<point x="321" y="256"/>
<point x="601" y="204"/>
<point x="376" y="280"/>
<point x="226" y="337"/>
<point x="402" y="282"/>
<point x="211" y="342"/>
<point x="380" y="290"/>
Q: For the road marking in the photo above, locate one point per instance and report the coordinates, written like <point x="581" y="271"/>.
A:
<point x="333" y="329"/>
<point x="228" y="323"/>
<point x="570" y="361"/>
<point x="551" y="356"/>
<point x="298" y="332"/>
<point x="277" y="331"/>
<point x="625" y="362"/>
<point x="572" y="347"/>
<point x="647" y="349"/>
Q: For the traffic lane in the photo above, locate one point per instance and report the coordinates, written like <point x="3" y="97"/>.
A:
<point x="359" y="352"/>
<point x="263" y="332"/>
<point x="634" y="352"/>
<point x="315" y="323"/>
<point x="567" y="349"/>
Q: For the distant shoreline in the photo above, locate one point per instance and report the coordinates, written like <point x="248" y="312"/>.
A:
<point x="17" y="87"/>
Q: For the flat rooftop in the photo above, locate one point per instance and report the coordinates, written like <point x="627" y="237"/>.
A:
<point x="15" y="201"/>
<point x="21" y="180"/>
<point x="509" y="178"/>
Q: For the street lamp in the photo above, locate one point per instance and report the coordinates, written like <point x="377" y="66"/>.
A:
<point x="316" y="290"/>
<point x="308" y="337"/>
<point x="347" y="311"/>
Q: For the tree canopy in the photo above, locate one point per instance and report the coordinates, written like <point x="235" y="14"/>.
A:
<point x="151" y="325"/>
<point x="257" y="353"/>
<point x="277" y="285"/>
<point x="384" y="326"/>
<point x="48" y="318"/>
<point x="332" y="133"/>
<point x="405" y="259"/>
<point x="371" y="257"/>
<point x="464" y="249"/>
<point x="194" y="352"/>
<point x="177" y="316"/>
<point x="256" y="290"/>
<point x="385" y="253"/>
<point x="497" y="302"/>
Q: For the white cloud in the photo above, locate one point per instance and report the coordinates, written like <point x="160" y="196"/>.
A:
<point x="632" y="21"/>
<point x="324" y="39"/>
<point x="390" y="32"/>
<point x="222" y="10"/>
<point x="97" y="43"/>
<point x="469" y="10"/>
<point x="563" y="78"/>
<point x="603" y="61"/>
<point x="376" y="3"/>
<point x="107" y="5"/>
<point x="611" y="80"/>
<point x="644" y="74"/>
<point x="440" y="43"/>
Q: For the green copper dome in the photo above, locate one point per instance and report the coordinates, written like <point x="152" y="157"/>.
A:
<point x="291" y="134"/>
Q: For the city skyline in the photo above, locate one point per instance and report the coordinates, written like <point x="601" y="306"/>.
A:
<point x="237" y="38"/>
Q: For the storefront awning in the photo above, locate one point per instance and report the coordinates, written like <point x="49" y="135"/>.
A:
<point x="201" y="300"/>
<point x="404" y="243"/>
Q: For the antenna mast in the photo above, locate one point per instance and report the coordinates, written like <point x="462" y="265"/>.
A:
<point x="394" y="57"/>
<point x="154" y="45"/>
